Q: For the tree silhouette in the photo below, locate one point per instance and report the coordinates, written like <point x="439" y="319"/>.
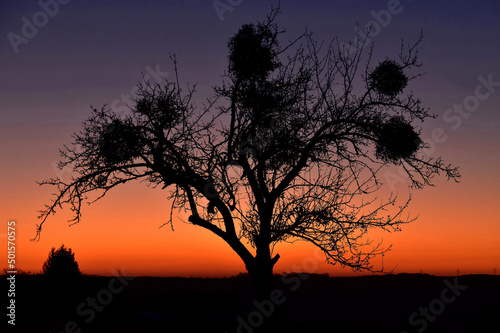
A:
<point x="290" y="148"/>
<point x="61" y="264"/>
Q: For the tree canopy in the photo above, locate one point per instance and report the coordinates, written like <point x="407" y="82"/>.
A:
<point x="289" y="148"/>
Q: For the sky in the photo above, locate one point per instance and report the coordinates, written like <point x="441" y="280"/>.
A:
<point x="83" y="53"/>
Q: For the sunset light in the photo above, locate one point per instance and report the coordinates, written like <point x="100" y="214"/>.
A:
<point x="279" y="132"/>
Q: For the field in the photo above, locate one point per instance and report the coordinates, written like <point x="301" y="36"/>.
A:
<point x="305" y="303"/>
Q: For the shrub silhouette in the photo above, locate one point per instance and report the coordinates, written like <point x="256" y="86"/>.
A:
<point x="61" y="263"/>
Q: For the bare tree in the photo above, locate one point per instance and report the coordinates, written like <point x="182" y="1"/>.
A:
<point x="290" y="148"/>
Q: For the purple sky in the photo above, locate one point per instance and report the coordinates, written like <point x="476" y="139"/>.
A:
<point x="90" y="54"/>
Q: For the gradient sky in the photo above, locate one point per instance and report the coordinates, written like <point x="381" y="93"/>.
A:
<point x="91" y="53"/>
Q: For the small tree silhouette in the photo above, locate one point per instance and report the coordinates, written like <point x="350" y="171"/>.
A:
<point x="61" y="263"/>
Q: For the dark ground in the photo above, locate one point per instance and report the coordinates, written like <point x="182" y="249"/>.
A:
<point x="314" y="303"/>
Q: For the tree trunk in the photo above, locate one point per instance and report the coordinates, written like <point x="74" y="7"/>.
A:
<point x="264" y="308"/>
<point x="262" y="279"/>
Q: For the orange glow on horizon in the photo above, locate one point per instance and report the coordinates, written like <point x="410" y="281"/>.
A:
<point x="122" y="232"/>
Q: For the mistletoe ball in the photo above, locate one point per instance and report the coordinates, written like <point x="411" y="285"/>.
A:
<point x="388" y="78"/>
<point x="119" y="142"/>
<point x="397" y="139"/>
